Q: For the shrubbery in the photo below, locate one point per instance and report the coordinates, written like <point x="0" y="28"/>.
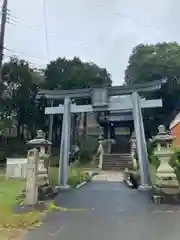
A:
<point x="75" y="176"/>
<point x="85" y="154"/>
<point x="88" y="150"/>
<point x="175" y="162"/>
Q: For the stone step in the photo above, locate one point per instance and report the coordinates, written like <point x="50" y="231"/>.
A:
<point x="117" y="161"/>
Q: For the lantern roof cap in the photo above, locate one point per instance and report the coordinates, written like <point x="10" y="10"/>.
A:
<point x="163" y="135"/>
<point x="39" y="140"/>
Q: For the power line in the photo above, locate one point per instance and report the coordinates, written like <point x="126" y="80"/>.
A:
<point x="14" y="20"/>
<point x="22" y="54"/>
<point x="120" y="14"/>
<point x="36" y="65"/>
<point x="45" y="28"/>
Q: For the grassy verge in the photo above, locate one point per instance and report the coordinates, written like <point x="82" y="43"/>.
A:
<point x="13" y="225"/>
<point x="152" y="173"/>
<point x="75" y="175"/>
<point x="10" y="223"/>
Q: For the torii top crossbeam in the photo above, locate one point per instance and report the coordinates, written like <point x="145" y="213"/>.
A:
<point x="112" y="91"/>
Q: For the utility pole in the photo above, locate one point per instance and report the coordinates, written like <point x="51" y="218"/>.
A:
<point x="2" y="32"/>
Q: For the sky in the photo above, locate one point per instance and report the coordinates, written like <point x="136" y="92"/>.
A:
<point x="100" y="31"/>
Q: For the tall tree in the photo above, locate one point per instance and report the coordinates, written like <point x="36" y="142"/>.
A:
<point x="154" y="62"/>
<point x="73" y="74"/>
<point x="20" y="83"/>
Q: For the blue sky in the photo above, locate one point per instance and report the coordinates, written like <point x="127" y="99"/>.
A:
<point x="102" y="31"/>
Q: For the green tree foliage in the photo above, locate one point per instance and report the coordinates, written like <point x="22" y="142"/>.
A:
<point x="21" y="82"/>
<point x="73" y="74"/>
<point x="154" y="62"/>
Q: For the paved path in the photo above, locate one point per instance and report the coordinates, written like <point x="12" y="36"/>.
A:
<point x="113" y="212"/>
<point x="109" y="176"/>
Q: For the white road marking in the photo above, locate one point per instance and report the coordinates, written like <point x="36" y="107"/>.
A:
<point x="54" y="234"/>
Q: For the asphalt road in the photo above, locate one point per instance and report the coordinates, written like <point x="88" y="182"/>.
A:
<point x="110" y="212"/>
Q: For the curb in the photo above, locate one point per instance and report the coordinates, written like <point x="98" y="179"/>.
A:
<point x="128" y="183"/>
<point x="81" y="184"/>
<point x="87" y="181"/>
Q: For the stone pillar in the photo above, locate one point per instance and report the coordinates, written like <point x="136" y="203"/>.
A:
<point x="133" y="149"/>
<point x="65" y="144"/>
<point x="100" y="151"/>
<point x="31" y="181"/>
<point x="141" y="141"/>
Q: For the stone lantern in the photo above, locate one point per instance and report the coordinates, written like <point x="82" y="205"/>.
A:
<point x="44" y="147"/>
<point x="133" y="149"/>
<point x="100" y="139"/>
<point x="100" y="151"/>
<point x="166" y="179"/>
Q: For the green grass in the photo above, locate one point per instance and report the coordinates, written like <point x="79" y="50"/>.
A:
<point x="15" y="224"/>
<point x="11" y="223"/>
<point x="75" y="175"/>
<point x="53" y="175"/>
<point x="9" y="190"/>
<point x="152" y="173"/>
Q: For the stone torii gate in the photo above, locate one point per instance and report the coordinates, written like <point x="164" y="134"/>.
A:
<point x="100" y="102"/>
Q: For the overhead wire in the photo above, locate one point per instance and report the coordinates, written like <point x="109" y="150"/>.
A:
<point x="126" y="16"/>
<point x="11" y="19"/>
<point x="21" y="53"/>
<point x="35" y="65"/>
<point x="45" y="28"/>
<point x="123" y="15"/>
<point x="14" y="21"/>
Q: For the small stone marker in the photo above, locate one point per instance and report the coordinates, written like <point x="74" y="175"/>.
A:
<point x="31" y="182"/>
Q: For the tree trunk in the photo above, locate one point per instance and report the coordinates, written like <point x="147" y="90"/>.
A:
<point x="22" y="131"/>
<point x="18" y="130"/>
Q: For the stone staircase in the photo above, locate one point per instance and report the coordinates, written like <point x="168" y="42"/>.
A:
<point x="117" y="161"/>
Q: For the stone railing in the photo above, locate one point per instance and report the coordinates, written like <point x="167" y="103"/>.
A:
<point x="104" y="148"/>
<point x="133" y="150"/>
<point x="100" y="153"/>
